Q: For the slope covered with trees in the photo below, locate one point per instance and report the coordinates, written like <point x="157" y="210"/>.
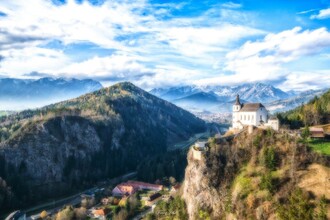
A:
<point x="317" y="111"/>
<point x="73" y="144"/>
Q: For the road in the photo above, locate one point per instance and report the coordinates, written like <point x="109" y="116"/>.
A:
<point x="186" y="144"/>
<point x="55" y="206"/>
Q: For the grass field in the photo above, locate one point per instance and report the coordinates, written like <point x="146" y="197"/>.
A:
<point x="320" y="146"/>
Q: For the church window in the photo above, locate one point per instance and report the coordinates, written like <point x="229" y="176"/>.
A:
<point x="248" y="117"/>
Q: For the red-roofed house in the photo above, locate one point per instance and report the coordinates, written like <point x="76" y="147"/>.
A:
<point x="131" y="187"/>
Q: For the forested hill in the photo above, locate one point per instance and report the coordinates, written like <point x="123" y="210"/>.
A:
<point x="317" y="111"/>
<point x="75" y="143"/>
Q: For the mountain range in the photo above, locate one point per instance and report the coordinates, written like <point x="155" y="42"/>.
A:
<point x="20" y="94"/>
<point x="220" y="98"/>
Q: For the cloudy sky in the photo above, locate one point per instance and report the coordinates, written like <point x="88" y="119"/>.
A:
<point x="160" y="43"/>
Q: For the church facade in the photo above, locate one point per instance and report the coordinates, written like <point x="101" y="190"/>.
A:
<point x="254" y="114"/>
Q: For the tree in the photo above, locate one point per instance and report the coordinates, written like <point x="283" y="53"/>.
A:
<point x="322" y="212"/>
<point x="267" y="182"/>
<point x="121" y="215"/>
<point x="43" y="214"/>
<point x="66" y="214"/>
<point x="297" y="207"/>
<point x="81" y="213"/>
<point x="172" y="180"/>
<point x="305" y="133"/>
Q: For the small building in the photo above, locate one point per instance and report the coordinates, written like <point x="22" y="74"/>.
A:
<point x="175" y="188"/>
<point x="130" y="187"/>
<point x="198" y="149"/>
<point x="153" y="199"/>
<point x="200" y="145"/>
<point x="100" y="213"/>
<point x="124" y="189"/>
<point x="316" y="132"/>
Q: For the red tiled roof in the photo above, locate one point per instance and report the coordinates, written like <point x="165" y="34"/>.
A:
<point x="100" y="212"/>
<point x="145" y="185"/>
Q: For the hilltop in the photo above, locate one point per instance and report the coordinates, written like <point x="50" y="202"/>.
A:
<point x="73" y="144"/>
<point x="257" y="176"/>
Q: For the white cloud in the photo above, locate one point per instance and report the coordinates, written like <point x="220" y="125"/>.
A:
<point x="323" y="14"/>
<point x="301" y="81"/>
<point x="231" y="5"/>
<point x="178" y="49"/>
<point x="114" y="66"/>
<point x="264" y="60"/>
<point x="18" y="62"/>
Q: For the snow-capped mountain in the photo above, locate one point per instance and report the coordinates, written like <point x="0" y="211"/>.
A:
<point x="19" y="94"/>
<point x="220" y="98"/>
<point x="257" y="92"/>
<point x="295" y="101"/>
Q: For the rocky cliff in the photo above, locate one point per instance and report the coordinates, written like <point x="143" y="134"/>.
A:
<point x="255" y="177"/>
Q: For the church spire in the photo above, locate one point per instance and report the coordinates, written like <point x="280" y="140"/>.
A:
<point x="237" y="100"/>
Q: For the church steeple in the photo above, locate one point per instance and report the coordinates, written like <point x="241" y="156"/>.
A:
<point x="237" y="106"/>
<point x="237" y="100"/>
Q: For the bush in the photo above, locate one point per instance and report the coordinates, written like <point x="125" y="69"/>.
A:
<point x="297" y="207"/>
<point x="267" y="182"/>
<point x="268" y="158"/>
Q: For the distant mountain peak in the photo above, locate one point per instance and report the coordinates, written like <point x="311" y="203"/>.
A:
<point x="19" y="94"/>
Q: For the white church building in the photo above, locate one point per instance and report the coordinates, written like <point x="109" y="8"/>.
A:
<point x="252" y="114"/>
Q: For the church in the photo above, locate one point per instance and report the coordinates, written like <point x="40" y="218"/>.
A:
<point x="254" y="114"/>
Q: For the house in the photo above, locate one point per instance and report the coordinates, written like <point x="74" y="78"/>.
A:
<point x="124" y="189"/>
<point x="100" y="213"/>
<point x="175" y="188"/>
<point x="153" y="199"/>
<point x="316" y="132"/>
<point x="254" y="114"/>
<point x="200" y="145"/>
<point x="146" y="186"/>
<point x="130" y="187"/>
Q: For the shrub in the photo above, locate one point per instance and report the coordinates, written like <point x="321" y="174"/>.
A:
<point x="267" y="182"/>
<point x="297" y="207"/>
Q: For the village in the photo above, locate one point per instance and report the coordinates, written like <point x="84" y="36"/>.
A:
<point x="130" y="198"/>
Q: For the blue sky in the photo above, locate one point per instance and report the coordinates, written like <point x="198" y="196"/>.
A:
<point x="168" y="43"/>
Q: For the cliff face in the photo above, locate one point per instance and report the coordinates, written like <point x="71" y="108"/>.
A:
<point x="250" y="176"/>
<point x="42" y="149"/>
<point x="207" y="180"/>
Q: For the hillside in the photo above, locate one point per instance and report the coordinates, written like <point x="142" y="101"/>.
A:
<point x="266" y="175"/>
<point x="20" y="94"/>
<point x="72" y="144"/>
<point x="316" y="111"/>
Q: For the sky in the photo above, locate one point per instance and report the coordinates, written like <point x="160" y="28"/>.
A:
<point x="159" y="43"/>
